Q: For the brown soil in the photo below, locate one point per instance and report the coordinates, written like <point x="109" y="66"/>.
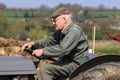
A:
<point x="10" y="47"/>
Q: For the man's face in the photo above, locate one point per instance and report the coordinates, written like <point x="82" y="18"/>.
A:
<point x="59" y="23"/>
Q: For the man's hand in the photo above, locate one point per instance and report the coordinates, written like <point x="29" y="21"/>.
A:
<point x="27" y="45"/>
<point x="38" y="52"/>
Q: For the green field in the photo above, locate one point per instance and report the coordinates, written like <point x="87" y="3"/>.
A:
<point x="98" y="15"/>
<point x="106" y="14"/>
<point x="20" y="13"/>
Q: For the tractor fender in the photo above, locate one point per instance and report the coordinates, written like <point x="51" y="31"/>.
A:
<point x="96" y="60"/>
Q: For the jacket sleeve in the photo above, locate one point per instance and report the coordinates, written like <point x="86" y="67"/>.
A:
<point x="44" y="43"/>
<point x="54" y="39"/>
<point x="66" y="45"/>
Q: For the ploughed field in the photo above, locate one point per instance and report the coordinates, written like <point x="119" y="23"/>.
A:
<point x="10" y="47"/>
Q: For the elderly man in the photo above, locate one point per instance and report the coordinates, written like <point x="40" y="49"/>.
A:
<point x="68" y="43"/>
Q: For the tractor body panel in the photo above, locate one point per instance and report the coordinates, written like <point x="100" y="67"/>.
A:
<point x="16" y="65"/>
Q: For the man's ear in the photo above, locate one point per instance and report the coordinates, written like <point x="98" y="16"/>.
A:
<point x="65" y="20"/>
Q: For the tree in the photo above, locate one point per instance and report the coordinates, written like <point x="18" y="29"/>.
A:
<point x="2" y="6"/>
<point x="26" y="15"/>
<point x="32" y="15"/>
<point x="16" y="14"/>
<point x="101" y="7"/>
<point x="3" y="23"/>
<point x="115" y="8"/>
<point x="44" y="11"/>
<point x="37" y="32"/>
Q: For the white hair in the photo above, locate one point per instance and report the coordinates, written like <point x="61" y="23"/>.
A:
<point x="68" y="16"/>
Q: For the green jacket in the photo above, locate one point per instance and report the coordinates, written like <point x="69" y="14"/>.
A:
<point x="69" y="44"/>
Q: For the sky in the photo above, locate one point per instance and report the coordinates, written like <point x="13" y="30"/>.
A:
<point x="53" y="3"/>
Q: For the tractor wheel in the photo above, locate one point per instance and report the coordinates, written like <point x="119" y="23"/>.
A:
<point x="105" y="71"/>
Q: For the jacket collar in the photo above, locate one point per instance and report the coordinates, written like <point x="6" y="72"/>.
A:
<point x="64" y="31"/>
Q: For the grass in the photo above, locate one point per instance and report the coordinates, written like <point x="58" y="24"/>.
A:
<point x="106" y="47"/>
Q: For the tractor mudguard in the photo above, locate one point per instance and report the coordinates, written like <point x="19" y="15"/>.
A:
<point x="84" y="69"/>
